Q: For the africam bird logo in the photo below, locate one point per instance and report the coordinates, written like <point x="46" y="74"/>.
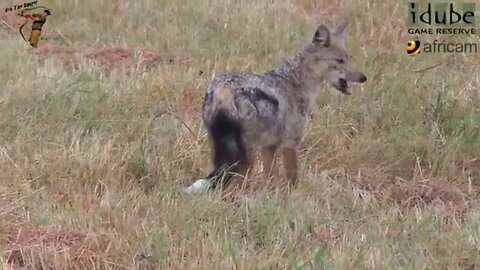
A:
<point x="413" y="47"/>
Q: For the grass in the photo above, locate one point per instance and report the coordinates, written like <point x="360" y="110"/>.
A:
<point x="97" y="156"/>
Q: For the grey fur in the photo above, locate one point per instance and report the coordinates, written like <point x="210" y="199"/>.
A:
<point x="272" y="108"/>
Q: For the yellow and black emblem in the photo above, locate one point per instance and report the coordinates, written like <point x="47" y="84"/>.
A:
<point x="413" y="47"/>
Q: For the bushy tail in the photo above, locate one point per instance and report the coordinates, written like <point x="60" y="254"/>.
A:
<point x="228" y="148"/>
<point x="228" y="152"/>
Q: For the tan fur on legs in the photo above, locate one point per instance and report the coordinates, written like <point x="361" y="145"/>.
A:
<point x="269" y="160"/>
<point x="231" y="191"/>
<point x="251" y="157"/>
<point x="290" y="163"/>
<point x="236" y="184"/>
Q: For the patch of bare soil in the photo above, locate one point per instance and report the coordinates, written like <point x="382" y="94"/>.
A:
<point x="122" y="57"/>
<point x="430" y="192"/>
<point x="410" y="194"/>
<point x="319" y="11"/>
<point x="107" y="58"/>
<point x="28" y="246"/>
<point x="33" y="247"/>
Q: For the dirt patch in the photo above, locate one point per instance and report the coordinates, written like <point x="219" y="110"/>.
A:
<point x="409" y="194"/>
<point x="32" y="246"/>
<point x="28" y="246"/>
<point x="36" y="247"/>
<point x="430" y="192"/>
<point x="121" y="57"/>
<point x="319" y="11"/>
<point x="107" y="58"/>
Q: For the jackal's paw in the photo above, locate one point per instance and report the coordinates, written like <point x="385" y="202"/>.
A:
<point x="198" y="186"/>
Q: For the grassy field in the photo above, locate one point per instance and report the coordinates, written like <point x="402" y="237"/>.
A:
<point x="100" y="129"/>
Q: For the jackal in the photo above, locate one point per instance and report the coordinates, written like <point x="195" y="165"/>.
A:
<point x="243" y="111"/>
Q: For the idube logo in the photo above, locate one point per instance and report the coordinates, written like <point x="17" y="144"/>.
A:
<point x="441" y="18"/>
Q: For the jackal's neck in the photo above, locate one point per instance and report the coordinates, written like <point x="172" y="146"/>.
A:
<point x="289" y="70"/>
<point x="292" y="69"/>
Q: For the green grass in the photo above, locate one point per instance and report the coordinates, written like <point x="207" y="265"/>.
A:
<point x="91" y="149"/>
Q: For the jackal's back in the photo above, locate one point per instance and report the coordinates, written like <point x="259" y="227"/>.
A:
<point x="255" y="101"/>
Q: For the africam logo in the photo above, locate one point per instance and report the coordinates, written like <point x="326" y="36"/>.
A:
<point x="38" y="20"/>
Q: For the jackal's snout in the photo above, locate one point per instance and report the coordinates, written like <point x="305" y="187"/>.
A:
<point x="356" y="76"/>
<point x="343" y="83"/>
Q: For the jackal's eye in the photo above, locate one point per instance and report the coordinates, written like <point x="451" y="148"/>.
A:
<point x="340" y="61"/>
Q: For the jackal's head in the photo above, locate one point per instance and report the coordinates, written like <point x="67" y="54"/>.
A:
<point x="326" y="58"/>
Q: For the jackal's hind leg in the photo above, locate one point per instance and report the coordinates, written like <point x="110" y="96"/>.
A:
<point x="244" y="169"/>
<point x="290" y="163"/>
<point x="269" y="160"/>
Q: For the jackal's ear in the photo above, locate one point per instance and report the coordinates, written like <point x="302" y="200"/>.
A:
<point x="341" y="27"/>
<point x="322" y="36"/>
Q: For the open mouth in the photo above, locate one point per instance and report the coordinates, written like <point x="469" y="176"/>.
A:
<point x="343" y="87"/>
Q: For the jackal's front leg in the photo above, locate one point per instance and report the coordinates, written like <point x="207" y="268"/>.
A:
<point x="290" y="163"/>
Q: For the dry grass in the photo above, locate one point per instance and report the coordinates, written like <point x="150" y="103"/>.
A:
<point x="100" y="129"/>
